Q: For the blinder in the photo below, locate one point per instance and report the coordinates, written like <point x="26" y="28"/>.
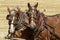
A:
<point x="7" y="17"/>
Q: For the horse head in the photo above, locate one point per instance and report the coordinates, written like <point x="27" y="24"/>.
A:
<point x="32" y="14"/>
<point x="13" y="17"/>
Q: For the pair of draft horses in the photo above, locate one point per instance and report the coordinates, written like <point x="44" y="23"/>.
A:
<point x="23" y="24"/>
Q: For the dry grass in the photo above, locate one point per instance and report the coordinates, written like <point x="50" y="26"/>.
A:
<point x="52" y="7"/>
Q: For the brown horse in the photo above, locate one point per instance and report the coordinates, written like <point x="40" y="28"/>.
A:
<point x="13" y="18"/>
<point x="16" y="29"/>
<point x="52" y="22"/>
<point x="33" y="16"/>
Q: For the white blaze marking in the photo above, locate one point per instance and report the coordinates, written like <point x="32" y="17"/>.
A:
<point x="32" y="9"/>
<point x="32" y="22"/>
<point x="12" y="26"/>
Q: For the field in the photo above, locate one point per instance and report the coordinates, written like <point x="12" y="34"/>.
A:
<point x="52" y="7"/>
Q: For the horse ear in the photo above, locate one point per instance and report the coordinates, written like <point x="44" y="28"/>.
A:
<point x="18" y="10"/>
<point x="36" y="5"/>
<point x="8" y="9"/>
<point x="29" y="5"/>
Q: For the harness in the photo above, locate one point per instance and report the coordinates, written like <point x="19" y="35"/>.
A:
<point x="40" y="24"/>
<point x="41" y="20"/>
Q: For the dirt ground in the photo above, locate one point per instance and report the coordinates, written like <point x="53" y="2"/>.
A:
<point x="52" y="7"/>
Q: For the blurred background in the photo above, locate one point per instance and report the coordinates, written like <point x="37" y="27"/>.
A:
<point x="52" y="7"/>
